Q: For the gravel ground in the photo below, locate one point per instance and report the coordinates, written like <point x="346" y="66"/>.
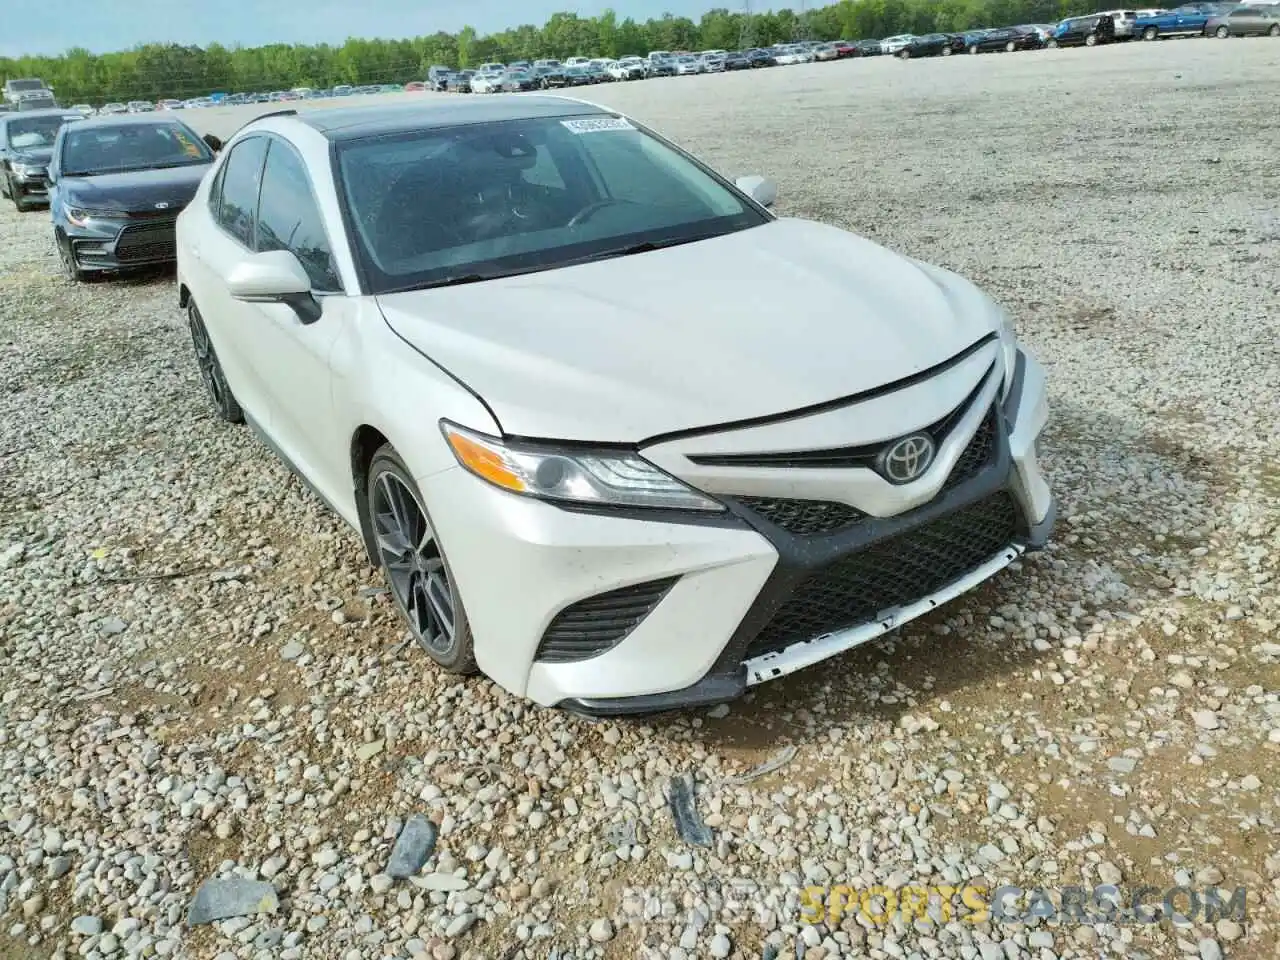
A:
<point x="199" y="677"/>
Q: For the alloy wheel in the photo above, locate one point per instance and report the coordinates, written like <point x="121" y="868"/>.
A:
<point x="415" y="567"/>
<point x="1222" y="33"/>
<point x="215" y="381"/>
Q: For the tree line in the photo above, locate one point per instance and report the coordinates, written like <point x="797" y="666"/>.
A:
<point x="154" y="71"/>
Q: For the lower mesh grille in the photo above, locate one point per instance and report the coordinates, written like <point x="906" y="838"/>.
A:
<point x="147" y="241"/>
<point x="892" y="573"/>
<point x="591" y="626"/>
<point x="804" y="517"/>
<point x="979" y="452"/>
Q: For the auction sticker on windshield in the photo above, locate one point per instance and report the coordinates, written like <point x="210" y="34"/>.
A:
<point x="596" y="125"/>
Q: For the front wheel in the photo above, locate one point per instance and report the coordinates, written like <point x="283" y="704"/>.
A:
<point x="215" y="381"/>
<point x="946" y="51"/>
<point x="413" y="561"/>
<point x="1221" y="33"/>
<point x="1091" y="40"/>
<point x="1051" y="43"/>
<point x="1150" y="33"/>
<point x="1010" y="47"/>
<point x="973" y="48"/>
<point x="1274" y="31"/>
<point x="904" y="54"/>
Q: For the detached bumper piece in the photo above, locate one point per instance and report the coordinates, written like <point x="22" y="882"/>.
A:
<point x="844" y="578"/>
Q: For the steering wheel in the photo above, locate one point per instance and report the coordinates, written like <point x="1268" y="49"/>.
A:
<point x="594" y="207"/>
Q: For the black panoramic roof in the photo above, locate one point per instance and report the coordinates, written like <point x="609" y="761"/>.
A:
<point x="354" y="123"/>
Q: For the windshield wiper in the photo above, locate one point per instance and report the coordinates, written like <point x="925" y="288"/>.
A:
<point x="460" y="279"/>
<point x="644" y="246"/>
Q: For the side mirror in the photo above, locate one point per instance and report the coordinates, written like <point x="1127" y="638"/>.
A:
<point x="275" y="276"/>
<point x="215" y="143"/>
<point x="760" y="189"/>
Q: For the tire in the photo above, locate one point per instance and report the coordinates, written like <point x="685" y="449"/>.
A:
<point x="904" y="54"/>
<point x="1051" y="43"/>
<point x="1010" y="47"/>
<point x="390" y="496"/>
<point x="1274" y="31"/>
<point x="1222" y="33"/>
<point x="215" y="381"/>
<point x="946" y="51"/>
<point x="5" y="189"/>
<point x="1091" y="40"/>
<point x="1150" y="33"/>
<point x="973" y="48"/>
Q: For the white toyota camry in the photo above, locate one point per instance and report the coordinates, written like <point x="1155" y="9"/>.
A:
<point x="619" y="437"/>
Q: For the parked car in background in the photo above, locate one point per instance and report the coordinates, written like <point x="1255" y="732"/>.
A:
<point x="1187" y="20"/>
<point x="1082" y="31"/>
<point x="551" y="78"/>
<point x="415" y="86"/>
<point x="932" y="45"/>
<point x="141" y="106"/>
<point x="576" y="75"/>
<point x="868" y="48"/>
<point x="84" y="108"/>
<point x="117" y="186"/>
<point x="825" y="52"/>
<point x="1124" y="22"/>
<point x="891" y="45"/>
<point x="486" y="81"/>
<point x="1245" y="21"/>
<point x="712" y="62"/>
<point x="688" y="66"/>
<point x="736" y="61"/>
<point x="596" y="73"/>
<point x="460" y="82"/>
<point x="761" y="58"/>
<point x="1008" y="39"/>
<point x="628" y="68"/>
<point x="661" y="64"/>
<point x="26" y="146"/>
<point x="845" y="48"/>
<point x="517" y="80"/>
<point x="399" y="344"/>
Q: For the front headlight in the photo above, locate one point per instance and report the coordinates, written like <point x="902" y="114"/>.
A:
<point x="1008" y="347"/>
<point x="602" y="478"/>
<point x="28" y="169"/>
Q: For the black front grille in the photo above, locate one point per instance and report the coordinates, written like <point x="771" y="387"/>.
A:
<point x="979" y="453"/>
<point x="147" y="241"/>
<point x="891" y="573"/>
<point x="592" y="626"/>
<point x="804" y="517"/>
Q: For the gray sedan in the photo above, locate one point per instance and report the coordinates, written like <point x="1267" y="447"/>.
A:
<point x="1245" y="21"/>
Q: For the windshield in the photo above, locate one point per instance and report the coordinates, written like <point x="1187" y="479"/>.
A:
<point x="34" y="132"/>
<point x="484" y="201"/>
<point x="121" y="149"/>
<point x="18" y="86"/>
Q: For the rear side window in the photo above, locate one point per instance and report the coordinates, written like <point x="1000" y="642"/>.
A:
<point x="289" y="217"/>
<point x="241" y="181"/>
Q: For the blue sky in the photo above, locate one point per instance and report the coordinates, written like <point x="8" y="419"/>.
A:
<point x="103" y="25"/>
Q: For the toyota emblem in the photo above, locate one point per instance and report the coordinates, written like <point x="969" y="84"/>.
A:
<point x="907" y="459"/>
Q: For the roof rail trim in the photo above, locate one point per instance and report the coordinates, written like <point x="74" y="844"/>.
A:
<point x="274" y="113"/>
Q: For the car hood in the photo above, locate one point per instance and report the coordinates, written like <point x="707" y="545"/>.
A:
<point x="134" y="192"/>
<point x="754" y="323"/>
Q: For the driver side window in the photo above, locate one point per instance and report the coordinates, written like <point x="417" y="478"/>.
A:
<point x="241" y="180"/>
